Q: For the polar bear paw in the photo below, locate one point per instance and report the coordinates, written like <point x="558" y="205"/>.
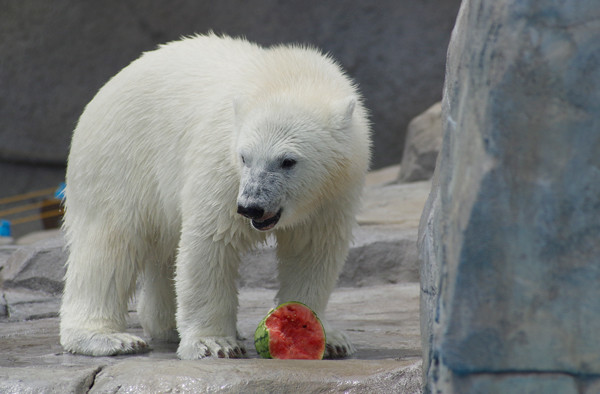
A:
<point x="97" y="343"/>
<point x="221" y="347"/>
<point x="338" y="344"/>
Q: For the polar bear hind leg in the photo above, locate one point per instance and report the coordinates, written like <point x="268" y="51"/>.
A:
<point x="157" y="301"/>
<point x="98" y="285"/>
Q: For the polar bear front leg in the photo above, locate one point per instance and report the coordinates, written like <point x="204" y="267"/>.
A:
<point x="310" y="260"/>
<point x="207" y="299"/>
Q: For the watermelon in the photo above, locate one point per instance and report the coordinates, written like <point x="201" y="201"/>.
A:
<point x="290" y="331"/>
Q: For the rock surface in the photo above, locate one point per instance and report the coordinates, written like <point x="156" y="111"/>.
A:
<point x="422" y="145"/>
<point x="386" y="335"/>
<point x="377" y="305"/>
<point x="40" y="266"/>
<point x="510" y="236"/>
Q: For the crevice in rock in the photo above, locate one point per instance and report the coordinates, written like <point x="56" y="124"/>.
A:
<point x="5" y="309"/>
<point x="89" y="383"/>
<point x="47" y="315"/>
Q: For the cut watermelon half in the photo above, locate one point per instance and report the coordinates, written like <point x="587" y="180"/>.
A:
<point x="290" y="331"/>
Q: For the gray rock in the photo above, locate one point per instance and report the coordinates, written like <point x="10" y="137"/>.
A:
<point x="22" y="304"/>
<point x="382" y="176"/>
<point x="423" y="143"/>
<point x="399" y="205"/>
<point x="5" y="252"/>
<point x="260" y="376"/>
<point x="385" y="333"/>
<point x="380" y="254"/>
<point x="55" y="380"/>
<point x="38" y="236"/>
<point x="40" y="266"/>
<point x="510" y="237"/>
<point x="518" y="383"/>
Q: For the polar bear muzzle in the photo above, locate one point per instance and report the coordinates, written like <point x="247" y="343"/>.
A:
<point x="260" y="220"/>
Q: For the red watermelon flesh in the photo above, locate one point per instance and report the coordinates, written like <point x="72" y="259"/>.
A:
<point x="295" y="332"/>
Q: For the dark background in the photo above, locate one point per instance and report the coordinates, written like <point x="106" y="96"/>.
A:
<point x="55" y="55"/>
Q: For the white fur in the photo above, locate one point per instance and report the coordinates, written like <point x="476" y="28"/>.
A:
<point x="155" y="176"/>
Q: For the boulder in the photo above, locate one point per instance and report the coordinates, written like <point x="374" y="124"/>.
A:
<point x="40" y="266"/>
<point x="49" y="380"/>
<point x="259" y="376"/>
<point x="510" y="236"/>
<point x="422" y="145"/>
<point x="380" y="254"/>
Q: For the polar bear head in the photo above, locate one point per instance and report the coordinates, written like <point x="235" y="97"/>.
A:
<point x="292" y="155"/>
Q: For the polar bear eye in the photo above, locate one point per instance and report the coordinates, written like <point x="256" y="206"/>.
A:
<point x="288" y="163"/>
<point x="243" y="159"/>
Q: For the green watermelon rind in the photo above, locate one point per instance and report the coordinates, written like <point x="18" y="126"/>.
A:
<point x="261" y="335"/>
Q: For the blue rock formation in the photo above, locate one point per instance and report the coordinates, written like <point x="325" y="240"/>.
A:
<point x="510" y="237"/>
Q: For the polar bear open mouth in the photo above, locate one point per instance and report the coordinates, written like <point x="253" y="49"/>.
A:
<point x="268" y="223"/>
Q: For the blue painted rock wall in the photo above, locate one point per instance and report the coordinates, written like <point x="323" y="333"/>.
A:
<point x="510" y="237"/>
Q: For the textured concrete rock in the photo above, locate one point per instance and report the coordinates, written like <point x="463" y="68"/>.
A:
<point x="510" y="236"/>
<point x="521" y="383"/>
<point x="291" y="376"/>
<point x="380" y="254"/>
<point x="47" y="380"/>
<point x="422" y="145"/>
<point x="37" y="267"/>
<point x="394" y="204"/>
<point x="382" y="176"/>
<point x="37" y="236"/>
<point x="24" y="304"/>
<point x="5" y="252"/>
<point x="385" y="333"/>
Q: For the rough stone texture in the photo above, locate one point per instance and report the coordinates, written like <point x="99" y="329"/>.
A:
<point x="38" y="267"/>
<point x="510" y="236"/>
<point x="56" y="55"/>
<point x="394" y="204"/>
<point x="385" y="333"/>
<point x="380" y="254"/>
<point x="5" y="252"/>
<point x="293" y="376"/>
<point x="522" y="383"/>
<point x="47" y="380"/>
<point x="382" y="176"/>
<point x="422" y="145"/>
<point x="376" y="304"/>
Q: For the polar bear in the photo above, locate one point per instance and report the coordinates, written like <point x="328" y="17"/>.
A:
<point x="189" y="157"/>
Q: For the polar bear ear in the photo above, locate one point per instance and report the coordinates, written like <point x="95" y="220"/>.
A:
<point x="343" y="111"/>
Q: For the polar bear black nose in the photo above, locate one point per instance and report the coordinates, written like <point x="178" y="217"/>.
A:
<point x="251" y="212"/>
